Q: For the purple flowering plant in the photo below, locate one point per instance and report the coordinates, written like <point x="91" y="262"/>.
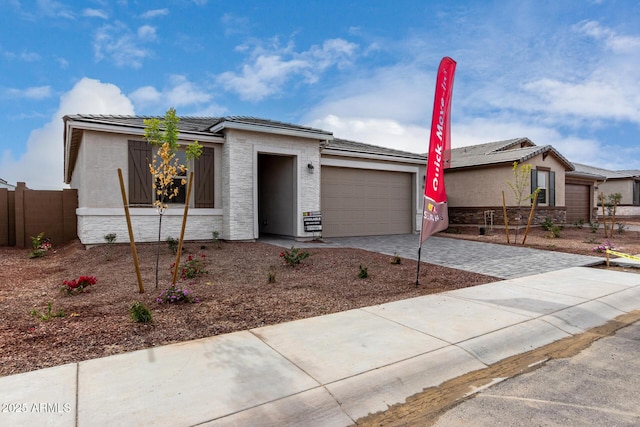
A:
<point x="175" y="294"/>
<point x="603" y="247"/>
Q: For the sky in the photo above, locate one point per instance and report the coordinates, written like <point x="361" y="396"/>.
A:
<point x="564" y="73"/>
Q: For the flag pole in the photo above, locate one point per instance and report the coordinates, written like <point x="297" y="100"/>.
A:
<point x="418" y="270"/>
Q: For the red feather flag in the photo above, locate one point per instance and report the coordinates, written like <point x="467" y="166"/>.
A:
<point x="435" y="216"/>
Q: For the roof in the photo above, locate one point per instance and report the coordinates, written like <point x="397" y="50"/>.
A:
<point x="344" y="146"/>
<point x="211" y="125"/>
<point x="503" y="152"/>
<point x="5" y="184"/>
<point x="606" y="173"/>
<point x="197" y="127"/>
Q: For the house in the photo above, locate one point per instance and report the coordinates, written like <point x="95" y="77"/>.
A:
<point x="625" y="182"/>
<point x="479" y="175"/>
<point x="5" y="184"/>
<point x="255" y="177"/>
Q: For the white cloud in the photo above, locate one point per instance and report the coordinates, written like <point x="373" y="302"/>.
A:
<point x="51" y="8"/>
<point x="36" y="92"/>
<point x="147" y="33"/>
<point x="41" y="166"/>
<point x="180" y="93"/>
<point x="119" y="44"/>
<point x="95" y="13"/>
<point x="268" y="69"/>
<point x="150" y="14"/>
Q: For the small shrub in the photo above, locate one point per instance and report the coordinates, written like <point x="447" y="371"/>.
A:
<point x="173" y="245"/>
<point x="554" y="232"/>
<point x="590" y="240"/>
<point x="363" y="273"/>
<point x="579" y="223"/>
<point x="593" y="226"/>
<point x="40" y="245"/>
<point x="192" y="267"/>
<point x="271" y="276"/>
<point x="547" y="224"/>
<point x="71" y="287"/>
<point x="49" y="314"/>
<point x="395" y="260"/>
<point x="175" y="295"/>
<point x="140" y="313"/>
<point x="621" y="227"/>
<point x="110" y="240"/>
<point x="215" y="238"/>
<point x="293" y="256"/>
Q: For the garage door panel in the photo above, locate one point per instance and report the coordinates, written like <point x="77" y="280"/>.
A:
<point x="577" y="200"/>
<point x="362" y="202"/>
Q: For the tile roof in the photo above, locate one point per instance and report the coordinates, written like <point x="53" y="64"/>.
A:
<point x="500" y="152"/>
<point x="606" y="173"/>
<point x="345" y="146"/>
<point x="190" y="124"/>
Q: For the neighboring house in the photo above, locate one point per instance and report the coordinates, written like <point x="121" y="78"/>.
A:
<point x="625" y="182"/>
<point x="255" y="177"/>
<point x="479" y="174"/>
<point x="5" y="184"/>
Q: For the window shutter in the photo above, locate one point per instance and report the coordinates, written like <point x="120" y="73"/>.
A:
<point x="534" y="181"/>
<point x="203" y="175"/>
<point x="139" y="176"/>
<point x="552" y="188"/>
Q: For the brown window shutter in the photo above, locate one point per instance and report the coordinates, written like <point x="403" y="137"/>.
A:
<point x="139" y="176"/>
<point x="203" y="175"/>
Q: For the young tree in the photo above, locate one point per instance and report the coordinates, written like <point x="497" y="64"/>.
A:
<point x="164" y="166"/>
<point x="521" y="180"/>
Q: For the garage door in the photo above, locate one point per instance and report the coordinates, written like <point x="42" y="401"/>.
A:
<point x="363" y="202"/>
<point x="577" y="197"/>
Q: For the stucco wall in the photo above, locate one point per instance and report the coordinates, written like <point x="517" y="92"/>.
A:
<point x="622" y="186"/>
<point x="100" y="209"/>
<point x="484" y="186"/>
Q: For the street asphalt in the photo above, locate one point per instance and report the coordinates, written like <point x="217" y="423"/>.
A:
<point x="334" y="369"/>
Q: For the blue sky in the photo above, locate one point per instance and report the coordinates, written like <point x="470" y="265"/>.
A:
<point x="565" y="72"/>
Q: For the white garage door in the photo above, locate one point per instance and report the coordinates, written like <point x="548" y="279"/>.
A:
<point x="363" y="202"/>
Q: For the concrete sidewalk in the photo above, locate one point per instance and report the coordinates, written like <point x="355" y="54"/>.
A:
<point x="328" y="370"/>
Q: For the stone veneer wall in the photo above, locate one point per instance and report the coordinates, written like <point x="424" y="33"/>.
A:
<point x="476" y="216"/>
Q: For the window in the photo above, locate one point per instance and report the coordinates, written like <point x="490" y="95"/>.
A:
<point x="544" y="180"/>
<point x="140" y="184"/>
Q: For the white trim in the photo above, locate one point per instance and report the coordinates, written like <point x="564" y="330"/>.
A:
<point x="268" y="149"/>
<point x="176" y="211"/>
<point x="265" y="128"/>
<point x="353" y="164"/>
<point x="367" y="156"/>
<point x="127" y="130"/>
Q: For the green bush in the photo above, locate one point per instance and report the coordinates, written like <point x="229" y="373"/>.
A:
<point x="293" y="256"/>
<point x="547" y="224"/>
<point x="49" y="314"/>
<point x="363" y="273"/>
<point x="140" y="313"/>
<point x="173" y="245"/>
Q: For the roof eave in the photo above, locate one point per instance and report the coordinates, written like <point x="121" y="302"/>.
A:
<point x="372" y="156"/>
<point x="264" y="128"/>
